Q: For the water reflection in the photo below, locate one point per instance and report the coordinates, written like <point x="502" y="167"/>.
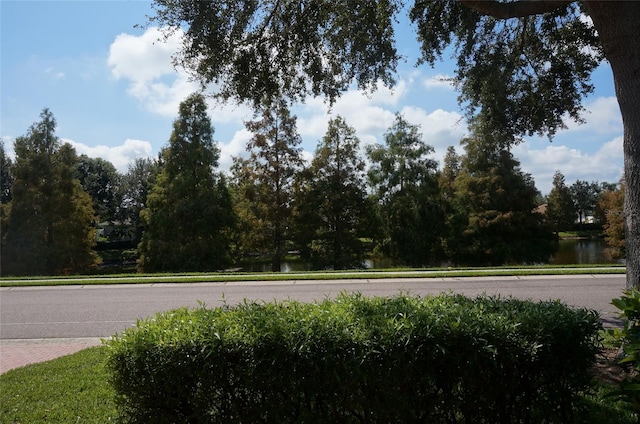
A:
<point x="285" y="266"/>
<point x="570" y="252"/>
<point x="581" y="252"/>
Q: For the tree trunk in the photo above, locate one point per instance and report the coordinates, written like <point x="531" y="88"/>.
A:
<point x="276" y="260"/>
<point x="618" y="25"/>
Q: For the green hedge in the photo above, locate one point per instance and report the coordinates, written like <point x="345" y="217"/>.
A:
<point x="629" y="337"/>
<point x="354" y="359"/>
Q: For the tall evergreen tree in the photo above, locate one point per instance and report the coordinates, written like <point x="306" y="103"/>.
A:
<point x="561" y="211"/>
<point x="603" y="187"/>
<point x="498" y="200"/>
<point x="188" y="211"/>
<point x="332" y="205"/>
<point x="6" y="175"/>
<point x="526" y="64"/>
<point x="265" y="179"/>
<point x="455" y="215"/>
<point x="6" y="182"/>
<point x="450" y="170"/>
<point x="50" y="220"/>
<point x="612" y="203"/>
<point x="406" y="186"/>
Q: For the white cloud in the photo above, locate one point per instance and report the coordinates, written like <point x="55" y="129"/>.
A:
<point x="145" y="61"/>
<point x="606" y="164"/>
<point x="312" y="126"/>
<point x="370" y="114"/>
<point x="236" y="147"/>
<point x="593" y="160"/>
<point x="162" y="98"/>
<point x="440" y="128"/>
<point x="436" y="122"/>
<point x="54" y="74"/>
<point x="120" y="156"/>
<point x="307" y="157"/>
<point x="229" y="113"/>
<point x="602" y="116"/>
<point x="143" y="58"/>
<point x="7" y="141"/>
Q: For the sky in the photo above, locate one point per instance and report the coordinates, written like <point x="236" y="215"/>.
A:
<point x="109" y="81"/>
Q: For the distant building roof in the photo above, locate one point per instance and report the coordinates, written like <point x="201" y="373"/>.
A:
<point x="542" y="209"/>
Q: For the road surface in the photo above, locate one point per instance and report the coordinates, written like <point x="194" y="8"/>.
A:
<point x="101" y="311"/>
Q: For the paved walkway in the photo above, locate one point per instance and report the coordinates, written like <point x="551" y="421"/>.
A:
<point x="16" y="353"/>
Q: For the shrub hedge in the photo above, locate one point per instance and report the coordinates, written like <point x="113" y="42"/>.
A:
<point x="403" y="359"/>
<point x="629" y="336"/>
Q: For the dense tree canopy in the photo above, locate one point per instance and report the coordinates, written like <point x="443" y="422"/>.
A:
<point x="450" y="170"/>
<point x="265" y="179"/>
<point x="6" y="175"/>
<point x="611" y="203"/>
<point x="404" y="180"/>
<point x="521" y="75"/>
<point x="135" y="187"/>
<point x="477" y="210"/>
<point x="561" y="210"/>
<point x="523" y="65"/>
<point x="188" y="209"/>
<point x="495" y="206"/>
<point x="455" y="219"/>
<point x="101" y="181"/>
<point x="585" y="197"/>
<point x="269" y="49"/>
<point x="49" y="227"/>
<point x="332" y="205"/>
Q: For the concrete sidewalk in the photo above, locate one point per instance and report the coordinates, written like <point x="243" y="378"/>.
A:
<point x="16" y="353"/>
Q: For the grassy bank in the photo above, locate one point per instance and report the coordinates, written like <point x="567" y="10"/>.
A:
<point x="224" y="277"/>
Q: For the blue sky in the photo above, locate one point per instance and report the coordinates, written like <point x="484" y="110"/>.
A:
<point x="115" y="94"/>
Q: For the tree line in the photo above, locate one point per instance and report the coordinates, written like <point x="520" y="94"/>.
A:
<point x="386" y="201"/>
<point x="522" y="68"/>
<point x="602" y="203"/>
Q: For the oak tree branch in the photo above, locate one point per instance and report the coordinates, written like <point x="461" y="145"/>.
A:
<point x="517" y="9"/>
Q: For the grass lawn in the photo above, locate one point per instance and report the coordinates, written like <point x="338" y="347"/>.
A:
<point x="580" y="234"/>
<point x="225" y="277"/>
<point x="74" y="389"/>
<point x="70" y="389"/>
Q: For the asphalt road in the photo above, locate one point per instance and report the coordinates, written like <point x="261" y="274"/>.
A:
<point x="101" y="311"/>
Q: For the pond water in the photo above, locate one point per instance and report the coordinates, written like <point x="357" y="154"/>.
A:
<point x="581" y="252"/>
<point x="265" y="266"/>
<point x="570" y="252"/>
